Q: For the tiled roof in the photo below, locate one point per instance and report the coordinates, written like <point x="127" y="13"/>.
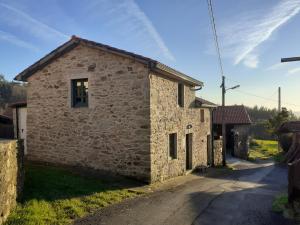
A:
<point x="200" y="102"/>
<point x="236" y="114"/>
<point x="18" y="104"/>
<point x="290" y="127"/>
<point x="75" y="41"/>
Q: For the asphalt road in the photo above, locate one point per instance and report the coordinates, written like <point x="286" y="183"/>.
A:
<point x="241" y="197"/>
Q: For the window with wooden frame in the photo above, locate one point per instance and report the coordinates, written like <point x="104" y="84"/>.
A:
<point x="180" y="95"/>
<point x="173" y="145"/>
<point x="80" y="96"/>
<point x="202" y="116"/>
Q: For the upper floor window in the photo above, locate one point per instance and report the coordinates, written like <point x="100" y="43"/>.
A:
<point x="173" y="145"/>
<point x="202" y="115"/>
<point x="80" y="93"/>
<point x="180" y="95"/>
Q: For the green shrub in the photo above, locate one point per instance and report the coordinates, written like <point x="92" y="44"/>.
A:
<point x="285" y="141"/>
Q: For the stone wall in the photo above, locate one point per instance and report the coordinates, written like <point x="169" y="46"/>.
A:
<point x="111" y="134"/>
<point x="167" y="117"/>
<point x="218" y="156"/>
<point x="11" y="175"/>
<point x="241" y="141"/>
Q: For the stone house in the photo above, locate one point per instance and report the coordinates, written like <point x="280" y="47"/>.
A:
<point x="238" y="123"/>
<point x="96" y="106"/>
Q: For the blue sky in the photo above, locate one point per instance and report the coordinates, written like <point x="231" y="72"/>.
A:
<point x="253" y="36"/>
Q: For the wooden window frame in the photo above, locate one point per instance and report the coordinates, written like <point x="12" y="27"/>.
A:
<point x="84" y="97"/>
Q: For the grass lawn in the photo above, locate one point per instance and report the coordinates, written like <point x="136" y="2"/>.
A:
<point x="56" y="196"/>
<point x="265" y="149"/>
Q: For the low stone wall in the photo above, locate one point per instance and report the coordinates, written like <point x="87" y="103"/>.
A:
<point x="218" y="157"/>
<point x="11" y="175"/>
<point x="241" y="141"/>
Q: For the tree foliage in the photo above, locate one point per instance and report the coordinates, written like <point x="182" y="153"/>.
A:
<point x="265" y="121"/>
<point x="11" y="92"/>
<point x="275" y="122"/>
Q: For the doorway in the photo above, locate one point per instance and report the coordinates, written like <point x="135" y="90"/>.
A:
<point x="209" y="150"/>
<point x="21" y="124"/>
<point x="188" y="150"/>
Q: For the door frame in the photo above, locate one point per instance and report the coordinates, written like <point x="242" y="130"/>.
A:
<point x="189" y="151"/>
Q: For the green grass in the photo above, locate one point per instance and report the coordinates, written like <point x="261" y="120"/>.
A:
<point x="280" y="203"/>
<point x="56" y="196"/>
<point x="265" y="149"/>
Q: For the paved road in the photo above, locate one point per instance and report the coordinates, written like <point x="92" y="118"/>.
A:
<point x="242" y="197"/>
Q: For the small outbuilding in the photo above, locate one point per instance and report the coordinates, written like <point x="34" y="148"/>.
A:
<point x="6" y="127"/>
<point x="238" y="123"/>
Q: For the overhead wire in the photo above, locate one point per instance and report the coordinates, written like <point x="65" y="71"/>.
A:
<point x="213" y="26"/>
<point x="267" y="99"/>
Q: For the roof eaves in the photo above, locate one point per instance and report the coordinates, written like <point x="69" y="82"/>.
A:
<point x="164" y="68"/>
<point x="46" y="60"/>
<point x="74" y="41"/>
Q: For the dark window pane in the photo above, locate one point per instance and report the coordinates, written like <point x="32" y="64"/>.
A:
<point x="80" y="93"/>
<point x="173" y="145"/>
<point x="202" y="115"/>
<point x="180" y="95"/>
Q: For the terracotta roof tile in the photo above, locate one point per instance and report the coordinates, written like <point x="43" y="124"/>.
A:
<point x="236" y="114"/>
<point x="290" y="127"/>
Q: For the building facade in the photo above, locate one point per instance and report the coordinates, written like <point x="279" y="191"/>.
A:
<point x="95" y="106"/>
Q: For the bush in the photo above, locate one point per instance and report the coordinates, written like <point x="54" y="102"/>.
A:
<point x="253" y="143"/>
<point x="285" y="141"/>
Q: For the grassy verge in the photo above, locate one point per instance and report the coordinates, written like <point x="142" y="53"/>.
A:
<point x="265" y="149"/>
<point x="290" y="211"/>
<point x="56" y="196"/>
<point x="280" y="203"/>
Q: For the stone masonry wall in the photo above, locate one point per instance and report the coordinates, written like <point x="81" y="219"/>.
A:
<point x="111" y="134"/>
<point x="167" y="117"/>
<point x="218" y="156"/>
<point x="241" y="141"/>
<point x="11" y="175"/>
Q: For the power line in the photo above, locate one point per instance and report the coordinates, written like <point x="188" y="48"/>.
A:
<point x="213" y="26"/>
<point x="268" y="99"/>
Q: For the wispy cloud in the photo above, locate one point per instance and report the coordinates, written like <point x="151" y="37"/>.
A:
<point x="251" y="61"/>
<point x="278" y="66"/>
<point x="133" y="9"/>
<point x="132" y="20"/>
<point x="4" y="36"/>
<point x="17" y="18"/>
<point x="241" y="39"/>
<point x="294" y="71"/>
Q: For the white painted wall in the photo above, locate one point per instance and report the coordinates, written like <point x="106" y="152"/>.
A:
<point x="22" y="131"/>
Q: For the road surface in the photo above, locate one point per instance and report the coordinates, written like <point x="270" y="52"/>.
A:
<point x="240" y="197"/>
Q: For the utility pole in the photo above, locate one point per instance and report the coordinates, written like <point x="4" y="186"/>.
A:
<point x="223" y="122"/>
<point x="223" y="86"/>
<point x="279" y="99"/>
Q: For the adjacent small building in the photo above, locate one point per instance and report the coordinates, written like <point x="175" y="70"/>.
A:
<point x="238" y="123"/>
<point x="96" y="106"/>
<point x="6" y="127"/>
<point x="19" y="111"/>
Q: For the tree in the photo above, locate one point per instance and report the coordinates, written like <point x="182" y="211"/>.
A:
<point x="275" y="122"/>
<point x="5" y="90"/>
<point x="11" y="92"/>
